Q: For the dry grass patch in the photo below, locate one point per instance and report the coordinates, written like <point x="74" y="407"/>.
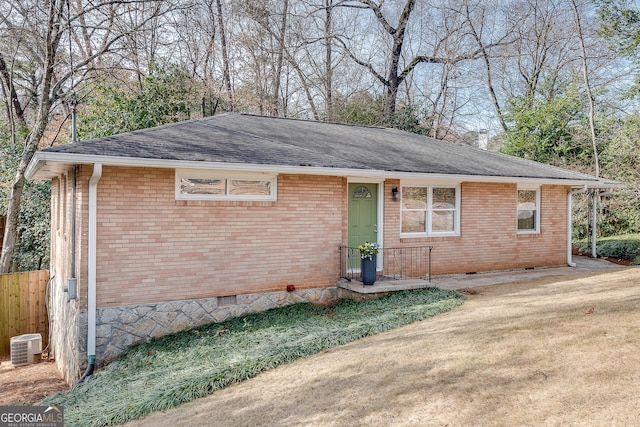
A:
<point x="546" y="352"/>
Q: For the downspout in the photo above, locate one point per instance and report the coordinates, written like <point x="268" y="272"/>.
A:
<point x="570" y="262"/>
<point x="594" y="222"/>
<point x="91" y="286"/>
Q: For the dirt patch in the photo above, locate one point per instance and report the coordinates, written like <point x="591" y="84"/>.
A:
<point x="618" y="261"/>
<point x="469" y="291"/>
<point x="552" y="351"/>
<point x="27" y="385"/>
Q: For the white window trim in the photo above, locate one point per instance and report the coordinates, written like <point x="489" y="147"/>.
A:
<point x="430" y="232"/>
<point x="537" y="189"/>
<point x="206" y="174"/>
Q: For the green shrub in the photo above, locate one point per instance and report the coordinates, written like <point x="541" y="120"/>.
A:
<point x="625" y="247"/>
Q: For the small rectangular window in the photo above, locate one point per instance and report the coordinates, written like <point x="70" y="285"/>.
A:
<point x="429" y="210"/>
<point x="247" y="187"/>
<point x="205" y="185"/>
<point x="202" y="186"/>
<point x="414" y="209"/>
<point x="414" y="222"/>
<point x="528" y="210"/>
<point x="444" y="210"/>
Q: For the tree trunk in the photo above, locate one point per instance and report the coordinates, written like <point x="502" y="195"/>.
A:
<point x="17" y="187"/>
<point x="328" y="60"/>
<point x="278" y="75"/>
<point x="13" y="101"/>
<point x="587" y="85"/>
<point x="225" y="59"/>
<point x="393" y="79"/>
<point x="11" y="227"/>
<point x="487" y="65"/>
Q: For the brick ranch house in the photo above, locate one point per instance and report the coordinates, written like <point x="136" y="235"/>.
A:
<point x="162" y="229"/>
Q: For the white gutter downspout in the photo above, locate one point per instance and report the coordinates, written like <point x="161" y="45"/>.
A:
<point x="594" y="222"/>
<point x="91" y="293"/>
<point x="570" y="262"/>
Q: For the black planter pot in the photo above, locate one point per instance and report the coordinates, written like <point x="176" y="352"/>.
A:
<point x="368" y="270"/>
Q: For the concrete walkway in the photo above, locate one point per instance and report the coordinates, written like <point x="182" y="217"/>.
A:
<point x="462" y="281"/>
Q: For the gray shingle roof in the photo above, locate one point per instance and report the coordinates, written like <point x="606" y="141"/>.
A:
<point x="256" y="140"/>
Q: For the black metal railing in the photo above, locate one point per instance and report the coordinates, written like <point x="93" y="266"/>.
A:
<point x="409" y="262"/>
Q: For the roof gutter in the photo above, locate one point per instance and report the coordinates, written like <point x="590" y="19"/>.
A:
<point x="41" y="158"/>
<point x="570" y="262"/>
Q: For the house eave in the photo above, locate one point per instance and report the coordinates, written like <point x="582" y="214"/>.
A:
<point x="48" y="165"/>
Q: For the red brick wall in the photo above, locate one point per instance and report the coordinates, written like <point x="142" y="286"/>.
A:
<point x="488" y="237"/>
<point x="153" y="248"/>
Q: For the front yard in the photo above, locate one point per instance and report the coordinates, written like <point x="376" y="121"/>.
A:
<point x="552" y="351"/>
<point x="175" y="369"/>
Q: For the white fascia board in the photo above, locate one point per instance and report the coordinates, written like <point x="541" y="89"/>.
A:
<point x="41" y="158"/>
<point x="34" y="165"/>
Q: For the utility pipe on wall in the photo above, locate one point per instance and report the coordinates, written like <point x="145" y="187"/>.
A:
<point x="570" y="224"/>
<point x="72" y="284"/>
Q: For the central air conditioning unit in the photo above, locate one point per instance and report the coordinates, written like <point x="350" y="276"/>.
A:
<point x="24" y="347"/>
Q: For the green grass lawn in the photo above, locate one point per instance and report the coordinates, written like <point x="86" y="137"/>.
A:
<point x="621" y="247"/>
<point x="166" y="372"/>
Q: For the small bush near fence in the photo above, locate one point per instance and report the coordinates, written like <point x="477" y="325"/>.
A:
<point x="23" y="307"/>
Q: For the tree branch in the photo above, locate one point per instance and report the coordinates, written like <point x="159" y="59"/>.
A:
<point x="367" y="65"/>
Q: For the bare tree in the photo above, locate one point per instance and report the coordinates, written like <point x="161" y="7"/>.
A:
<point x="225" y="58"/>
<point x="15" y="112"/>
<point x="449" y="49"/>
<point x="476" y="17"/>
<point x="394" y="76"/>
<point x="542" y="49"/>
<point x="266" y="41"/>
<point x="587" y="85"/>
<point x="202" y="47"/>
<point x="328" y="63"/>
<point x="36" y="32"/>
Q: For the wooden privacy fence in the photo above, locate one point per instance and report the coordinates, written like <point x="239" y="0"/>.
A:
<point x="23" y="307"/>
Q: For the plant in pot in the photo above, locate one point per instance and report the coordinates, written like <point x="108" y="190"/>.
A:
<point x="368" y="262"/>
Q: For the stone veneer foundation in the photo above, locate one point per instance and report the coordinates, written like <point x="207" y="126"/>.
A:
<point x="117" y="328"/>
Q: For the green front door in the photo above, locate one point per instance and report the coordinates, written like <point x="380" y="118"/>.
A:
<point x="363" y="217"/>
